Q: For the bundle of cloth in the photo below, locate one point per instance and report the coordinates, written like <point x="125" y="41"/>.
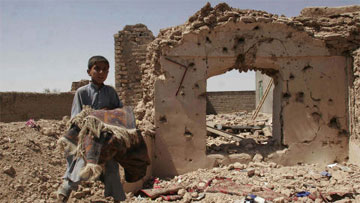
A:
<point x="101" y="135"/>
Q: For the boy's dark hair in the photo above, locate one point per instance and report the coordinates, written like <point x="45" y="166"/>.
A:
<point x="94" y="59"/>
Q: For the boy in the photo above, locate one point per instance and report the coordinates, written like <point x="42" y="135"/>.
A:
<point x="99" y="96"/>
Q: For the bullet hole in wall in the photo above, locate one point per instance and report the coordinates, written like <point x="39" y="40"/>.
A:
<point x="187" y="133"/>
<point x="163" y="119"/>
<point x="208" y="40"/>
<point x="286" y="95"/>
<point x="238" y="41"/>
<point x="291" y="77"/>
<point x="330" y="102"/>
<point x="316" y="116"/>
<point x="225" y="50"/>
<point x="300" y="97"/>
<point x="306" y="68"/>
<point x="334" y="123"/>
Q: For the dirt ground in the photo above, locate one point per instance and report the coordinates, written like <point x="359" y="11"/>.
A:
<point x="31" y="170"/>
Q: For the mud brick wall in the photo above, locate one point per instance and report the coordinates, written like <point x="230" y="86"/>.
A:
<point x="21" y="106"/>
<point x="229" y="101"/>
<point x="76" y="85"/>
<point x="130" y="53"/>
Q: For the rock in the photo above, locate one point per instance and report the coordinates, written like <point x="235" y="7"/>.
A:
<point x="288" y="176"/>
<point x="19" y="188"/>
<point x="286" y="192"/>
<point x="181" y="192"/>
<point x="238" y="165"/>
<point x="247" y="19"/>
<point x="279" y="200"/>
<point x="79" y="195"/>
<point x="187" y="197"/>
<point x="9" y="170"/>
<point x="194" y="194"/>
<point x="241" y="158"/>
<point x="251" y="172"/>
<point x="258" y="158"/>
<point x="202" y="185"/>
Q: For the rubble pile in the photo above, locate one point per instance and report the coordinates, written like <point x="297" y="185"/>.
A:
<point x="253" y="133"/>
<point x="301" y="183"/>
<point x="31" y="167"/>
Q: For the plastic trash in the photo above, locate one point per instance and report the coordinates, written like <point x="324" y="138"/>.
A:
<point x="254" y="199"/>
<point x="31" y="124"/>
<point x="325" y="173"/>
<point x="331" y="165"/>
<point x="259" y="199"/>
<point x="302" y="194"/>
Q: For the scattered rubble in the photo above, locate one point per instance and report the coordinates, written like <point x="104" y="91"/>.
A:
<point x="30" y="175"/>
<point x="249" y="136"/>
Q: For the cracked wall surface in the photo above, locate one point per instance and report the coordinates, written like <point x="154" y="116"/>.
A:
<point x="307" y="56"/>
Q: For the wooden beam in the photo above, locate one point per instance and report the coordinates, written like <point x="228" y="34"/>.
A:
<point x="262" y="99"/>
<point x="223" y="133"/>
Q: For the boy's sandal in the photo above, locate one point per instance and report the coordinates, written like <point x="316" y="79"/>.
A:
<point x="62" y="198"/>
<point x="63" y="193"/>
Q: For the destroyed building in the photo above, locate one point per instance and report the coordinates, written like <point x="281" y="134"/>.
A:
<point x="313" y="60"/>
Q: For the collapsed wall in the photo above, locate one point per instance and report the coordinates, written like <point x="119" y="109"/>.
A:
<point x="309" y="58"/>
<point x="130" y="53"/>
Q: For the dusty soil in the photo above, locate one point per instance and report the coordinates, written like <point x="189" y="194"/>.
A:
<point x="31" y="170"/>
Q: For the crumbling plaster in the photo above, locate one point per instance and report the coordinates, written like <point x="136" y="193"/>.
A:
<point x="308" y="58"/>
<point x="354" y="146"/>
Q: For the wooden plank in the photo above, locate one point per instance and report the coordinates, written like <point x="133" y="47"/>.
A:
<point x="262" y="99"/>
<point x="223" y="133"/>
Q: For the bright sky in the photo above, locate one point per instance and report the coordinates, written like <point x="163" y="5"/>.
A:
<point x="47" y="43"/>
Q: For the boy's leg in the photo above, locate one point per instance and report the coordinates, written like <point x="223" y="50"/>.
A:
<point x="113" y="186"/>
<point x="67" y="186"/>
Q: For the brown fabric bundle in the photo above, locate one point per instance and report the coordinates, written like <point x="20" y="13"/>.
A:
<point x="111" y="134"/>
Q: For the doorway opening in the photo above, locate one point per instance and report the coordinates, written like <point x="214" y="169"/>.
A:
<point x="239" y="110"/>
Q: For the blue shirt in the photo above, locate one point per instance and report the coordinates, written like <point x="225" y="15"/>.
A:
<point x="96" y="97"/>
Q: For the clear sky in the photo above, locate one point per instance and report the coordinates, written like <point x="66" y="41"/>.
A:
<point x="46" y="43"/>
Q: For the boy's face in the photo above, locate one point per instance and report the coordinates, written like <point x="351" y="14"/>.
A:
<point x="99" y="72"/>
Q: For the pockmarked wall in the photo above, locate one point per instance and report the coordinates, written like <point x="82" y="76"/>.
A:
<point x="21" y="106"/>
<point x="308" y="57"/>
<point x="229" y="101"/>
